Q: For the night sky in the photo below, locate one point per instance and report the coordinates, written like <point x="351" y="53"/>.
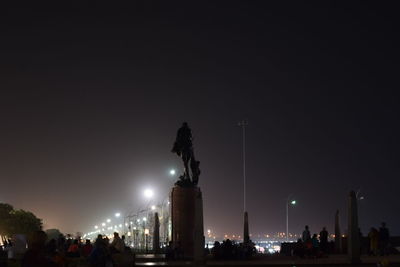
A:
<point x="91" y="97"/>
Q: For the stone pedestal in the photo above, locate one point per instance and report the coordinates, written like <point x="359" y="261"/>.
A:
<point x="187" y="222"/>
<point x="338" y="235"/>
<point x="246" y="237"/>
<point x="353" y="239"/>
<point x="156" y="234"/>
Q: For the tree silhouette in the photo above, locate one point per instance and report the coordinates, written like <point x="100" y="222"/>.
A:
<point x="17" y="221"/>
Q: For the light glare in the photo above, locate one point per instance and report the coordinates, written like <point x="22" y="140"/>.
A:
<point x="148" y="193"/>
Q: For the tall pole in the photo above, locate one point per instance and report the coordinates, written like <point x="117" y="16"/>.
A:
<point x="246" y="238"/>
<point x="243" y="124"/>
<point x="288" y="202"/>
<point x="287" y="220"/>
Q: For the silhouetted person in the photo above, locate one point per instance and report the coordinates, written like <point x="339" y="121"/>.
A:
<point x="227" y="249"/>
<point x="61" y="243"/>
<point x="306" y="236"/>
<point x="117" y="245"/>
<point x="87" y="248"/>
<point x="3" y="255"/>
<point x="123" y="240"/>
<point x="67" y="244"/>
<point x="323" y="238"/>
<point x="99" y="239"/>
<point x="373" y="241"/>
<point x="315" y="245"/>
<point x="206" y="250"/>
<point x="169" y="252"/>
<point x="383" y="238"/>
<point x="216" y="250"/>
<point x="73" y="250"/>
<point x="100" y="255"/>
<point x="36" y="255"/>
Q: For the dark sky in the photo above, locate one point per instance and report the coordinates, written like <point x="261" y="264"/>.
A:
<point x="92" y="96"/>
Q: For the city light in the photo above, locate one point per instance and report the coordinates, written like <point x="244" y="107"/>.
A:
<point x="95" y="227"/>
<point x="148" y="193"/>
<point x="108" y="220"/>
<point x="103" y="224"/>
<point x="293" y="202"/>
<point x="117" y="214"/>
<point x="144" y="219"/>
<point x="172" y="172"/>
<point x="153" y="207"/>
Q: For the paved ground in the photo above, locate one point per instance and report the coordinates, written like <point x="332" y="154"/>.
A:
<point x="334" y="260"/>
<point x="264" y="260"/>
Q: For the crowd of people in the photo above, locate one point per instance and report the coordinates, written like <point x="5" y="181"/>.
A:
<point x="318" y="245"/>
<point x="67" y="252"/>
<point x="312" y="245"/>
<point x="229" y="250"/>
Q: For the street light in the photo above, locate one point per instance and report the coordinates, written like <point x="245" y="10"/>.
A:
<point x="243" y="124"/>
<point x="108" y="220"/>
<point x="148" y="193"/>
<point x="172" y="172"/>
<point x="95" y="227"/>
<point x="288" y="202"/>
<point x="153" y="207"/>
<point x="117" y="214"/>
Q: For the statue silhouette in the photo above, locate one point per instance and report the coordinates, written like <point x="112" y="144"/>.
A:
<point x="183" y="147"/>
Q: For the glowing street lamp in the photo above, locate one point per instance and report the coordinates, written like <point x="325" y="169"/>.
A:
<point x="153" y="207"/>
<point x="291" y="202"/>
<point x="108" y="220"/>
<point x="148" y="193"/>
<point x="117" y="214"/>
<point x="172" y="172"/>
<point x="103" y="224"/>
<point x="95" y="227"/>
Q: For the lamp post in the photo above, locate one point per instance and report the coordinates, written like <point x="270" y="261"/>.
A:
<point x="288" y="202"/>
<point x="243" y="124"/>
<point x="246" y="237"/>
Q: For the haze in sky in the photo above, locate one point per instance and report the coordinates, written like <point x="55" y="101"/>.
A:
<point x="91" y="98"/>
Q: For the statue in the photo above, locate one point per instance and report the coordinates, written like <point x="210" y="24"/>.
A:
<point x="183" y="147"/>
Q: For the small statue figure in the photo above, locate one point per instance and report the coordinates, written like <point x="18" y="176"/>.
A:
<point x="183" y="147"/>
